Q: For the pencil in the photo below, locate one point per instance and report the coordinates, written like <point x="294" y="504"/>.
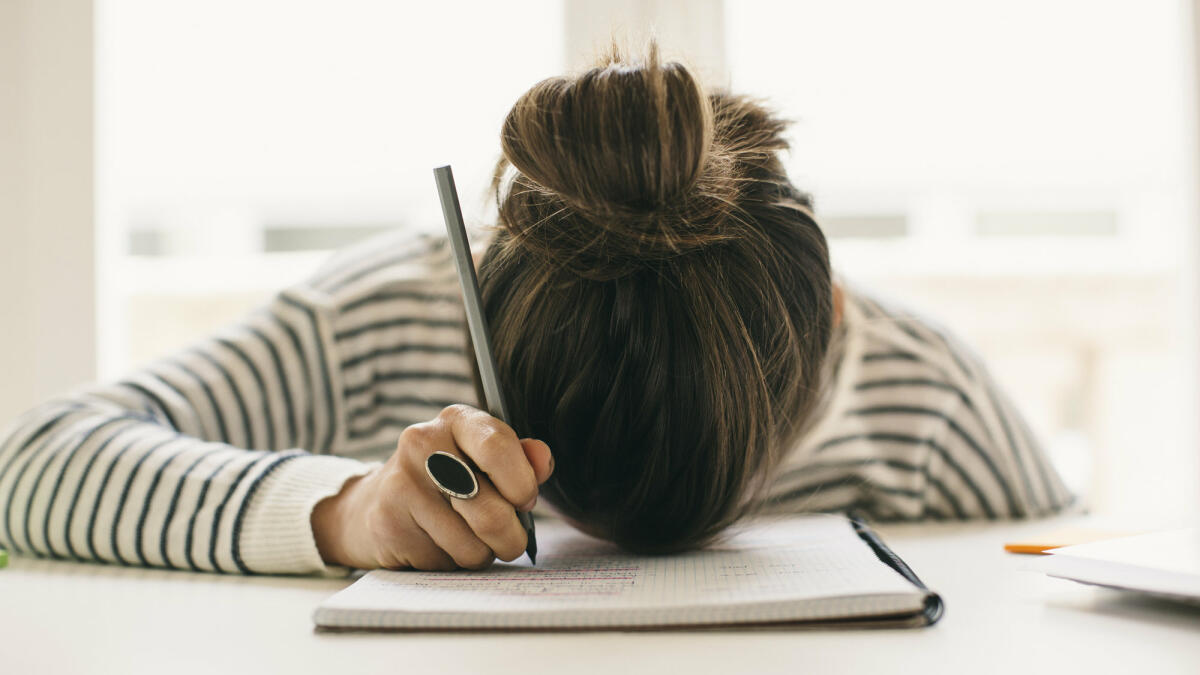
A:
<point x="457" y="230"/>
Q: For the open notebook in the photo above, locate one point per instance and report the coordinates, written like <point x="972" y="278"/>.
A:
<point x="809" y="569"/>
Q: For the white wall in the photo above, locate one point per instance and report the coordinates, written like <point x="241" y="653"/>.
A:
<point x="47" y="306"/>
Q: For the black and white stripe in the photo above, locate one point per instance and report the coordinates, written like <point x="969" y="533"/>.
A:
<point x="172" y="464"/>
<point x="917" y="430"/>
<point x="211" y="459"/>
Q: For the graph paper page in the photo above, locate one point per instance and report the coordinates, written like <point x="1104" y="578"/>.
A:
<point x="811" y="557"/>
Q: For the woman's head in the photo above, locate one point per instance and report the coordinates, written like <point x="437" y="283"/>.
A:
<point x="658" y="296"/>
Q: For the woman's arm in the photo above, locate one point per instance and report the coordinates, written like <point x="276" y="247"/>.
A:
<point x="919" y="430"/>
<point x="218" y="457"/>
<point x="211" y="459"/>
<point x="979" y="457"/>
<point x="988" y="455"/>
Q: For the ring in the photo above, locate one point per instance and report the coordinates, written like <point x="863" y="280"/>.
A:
<point x="451" y="475"/>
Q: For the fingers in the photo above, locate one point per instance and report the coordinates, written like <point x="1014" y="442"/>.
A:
<point x="493" y="520"/>
<point x="472" y="531"/>
<point x="450" y="532"/>
<point x="401" y="542"/>
<point x="496" y="450"/>
<point x="475" y="530"/>
<point x="538" y="454"/>
<point x="421" y="552"/>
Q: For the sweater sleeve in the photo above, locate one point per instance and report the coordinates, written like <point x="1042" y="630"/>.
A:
<point x="979" y="457"/>
<point x="916" y="428"/>
<point x="210" y="459"/>
<point x="986" y="449"/>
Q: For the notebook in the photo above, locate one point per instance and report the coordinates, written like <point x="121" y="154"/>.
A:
<point x="1162" y="564"/>
<point x="798" y="570"/>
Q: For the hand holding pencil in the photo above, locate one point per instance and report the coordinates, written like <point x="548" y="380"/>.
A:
<point x="485" y="360"/>
<point x="428" y="507"/>
<point x="395" y="517"/>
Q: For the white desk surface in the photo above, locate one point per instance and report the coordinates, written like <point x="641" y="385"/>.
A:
<point x="59" y="617"/>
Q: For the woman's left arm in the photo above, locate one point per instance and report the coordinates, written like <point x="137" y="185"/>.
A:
<point x="987" y="450"/>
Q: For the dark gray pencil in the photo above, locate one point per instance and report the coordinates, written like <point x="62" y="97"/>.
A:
<point x="457" y="230"/>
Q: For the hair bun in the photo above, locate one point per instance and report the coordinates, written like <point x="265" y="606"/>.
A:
<point x="615" y="167"/>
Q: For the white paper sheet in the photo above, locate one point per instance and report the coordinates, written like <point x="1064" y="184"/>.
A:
<point x="1162" y="563"/>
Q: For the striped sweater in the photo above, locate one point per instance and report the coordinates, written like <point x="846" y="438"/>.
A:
<point x="214" y="457"/>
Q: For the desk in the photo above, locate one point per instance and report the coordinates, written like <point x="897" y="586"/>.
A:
<point x="63" y="617"/>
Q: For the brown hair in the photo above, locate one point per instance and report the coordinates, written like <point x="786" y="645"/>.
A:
<point x="658" y="295"/>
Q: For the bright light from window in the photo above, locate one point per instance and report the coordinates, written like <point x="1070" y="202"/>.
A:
<point x="1024" y="172"/>
<point x="228" y="130"/>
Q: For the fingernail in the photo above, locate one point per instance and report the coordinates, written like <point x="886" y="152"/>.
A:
<point x="529" y="507"/>
<point x="551" y="463"/>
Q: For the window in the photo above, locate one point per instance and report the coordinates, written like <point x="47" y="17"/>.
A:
<point x="1029" y="182"/>
<point x="240" y="143"/>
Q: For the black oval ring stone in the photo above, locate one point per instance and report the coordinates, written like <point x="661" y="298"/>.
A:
<point x="451" y="475"/>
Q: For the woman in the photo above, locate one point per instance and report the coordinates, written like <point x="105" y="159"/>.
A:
<point x="666" y="326"/>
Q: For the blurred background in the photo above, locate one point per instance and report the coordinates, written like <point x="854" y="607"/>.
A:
<point x="1024" y="172"/>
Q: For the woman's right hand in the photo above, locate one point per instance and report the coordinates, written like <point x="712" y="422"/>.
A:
<point x="394" y="517"/>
